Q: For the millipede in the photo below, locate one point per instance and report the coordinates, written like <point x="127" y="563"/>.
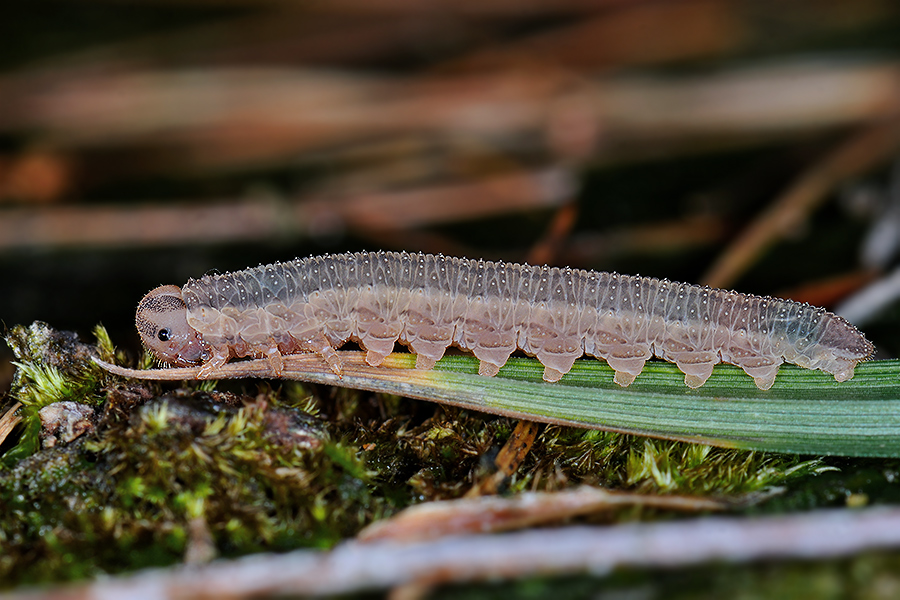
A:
<point x="429" y="302"/>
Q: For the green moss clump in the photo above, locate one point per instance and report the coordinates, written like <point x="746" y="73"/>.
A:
<point x="566" y="455"/>
<point x="258" y="477"/>
<point x="165" y="475"/>
<point x="52" y="366"/>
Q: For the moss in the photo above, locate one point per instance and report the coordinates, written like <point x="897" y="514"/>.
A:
<point x="856" y="482"/>
<point x="51" y="366"/>
<point x="662" y="466"/>
<point x="172" y="473"/>
<point x="163" y="464"/>
<point x="259" y="477"/>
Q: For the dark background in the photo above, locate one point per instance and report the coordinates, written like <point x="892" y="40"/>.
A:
<point x="643" y="137"/>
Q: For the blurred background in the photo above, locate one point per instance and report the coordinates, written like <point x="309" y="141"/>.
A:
<point x="739" y="143"/>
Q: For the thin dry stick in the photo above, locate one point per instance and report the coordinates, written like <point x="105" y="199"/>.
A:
<point x="508" y="459"/>
<point x="661" y="237"/>
<point x="863" y="151"/>
<point x="868" y="302"/>
<point x="264" y="114"/>
<point x="828" y="291"/>
<point x="545" y="251"/>
<point x="432" y="520"/>
<point x="620" y="37"/>
<point x="9" y="420"/>
<point x="255" y="219"/>
<point x="354" y="567"/>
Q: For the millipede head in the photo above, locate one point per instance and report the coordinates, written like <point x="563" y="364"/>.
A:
<point x="161" y="320"/>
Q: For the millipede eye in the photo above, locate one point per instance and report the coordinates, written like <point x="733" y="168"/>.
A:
<point x="164" y="334"/>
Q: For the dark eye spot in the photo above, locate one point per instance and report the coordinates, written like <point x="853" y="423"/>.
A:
<point x="164" y="335"/>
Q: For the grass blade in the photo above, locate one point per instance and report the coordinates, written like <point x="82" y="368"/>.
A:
<point x="805" y="412"/>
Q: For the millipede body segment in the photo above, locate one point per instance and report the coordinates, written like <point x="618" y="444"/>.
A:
<point x="430" y="302"/>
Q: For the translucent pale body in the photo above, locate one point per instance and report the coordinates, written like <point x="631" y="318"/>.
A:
<point x="430" y="302"/>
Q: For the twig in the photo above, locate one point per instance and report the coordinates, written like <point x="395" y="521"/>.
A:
<point x="432" y="520"/>
<point x="261" y="219"/>
<point x="621" y="37"/>
<point x="653" y="238"/>
<point x="829" y="291"/>
<point x="263" y="114"/>
<point x="546" y="249"/>
<point x="883" y="238"/>
<point x="508" y="459"/>
<point x="865" y="305"/>
<point x="863" y="151"/>
<point x="354" y="567"/>
<point x="9" y="420"/>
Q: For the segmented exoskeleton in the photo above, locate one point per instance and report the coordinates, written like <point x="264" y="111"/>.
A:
<point x="429" y="302"/>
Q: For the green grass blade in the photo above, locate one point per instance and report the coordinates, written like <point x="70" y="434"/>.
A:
<point x="805" y="412"/>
